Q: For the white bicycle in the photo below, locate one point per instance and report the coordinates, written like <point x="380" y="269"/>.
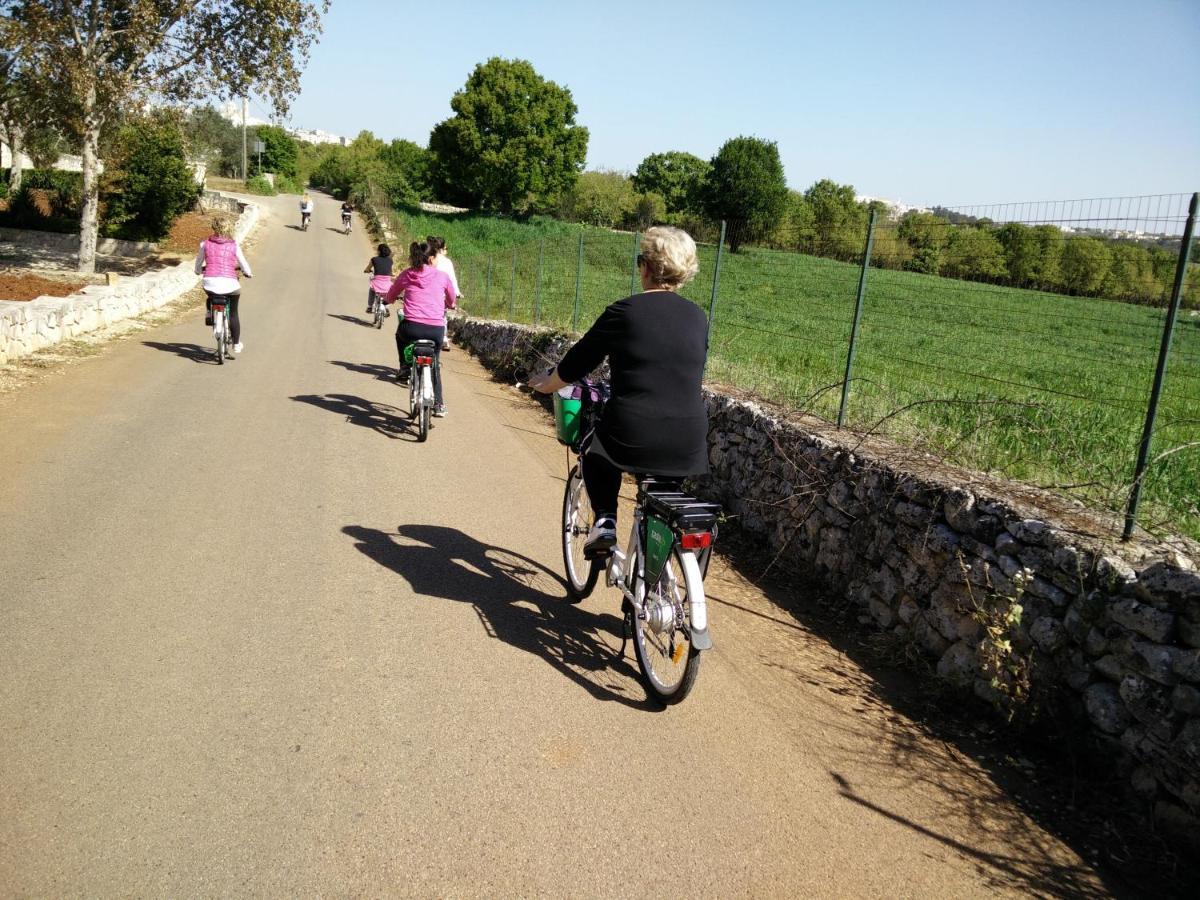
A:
<point x="220" y="326"/>
<point x="420" y="386"/>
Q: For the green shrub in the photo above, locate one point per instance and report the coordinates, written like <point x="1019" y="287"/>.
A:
<point x="286" y="185"/>
<point x="147" y="182"/>
<point x="259" y="185"/>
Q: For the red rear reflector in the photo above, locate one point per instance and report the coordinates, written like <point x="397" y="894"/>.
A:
<point x="424" y="360"/>
<point x="217" y="308"/>
<point x="696" y="540"/>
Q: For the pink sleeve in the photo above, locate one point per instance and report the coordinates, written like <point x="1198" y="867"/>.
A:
<point x="396" y="288"/>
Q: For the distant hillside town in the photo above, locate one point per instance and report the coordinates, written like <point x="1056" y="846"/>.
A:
<point x="232" y="110"/>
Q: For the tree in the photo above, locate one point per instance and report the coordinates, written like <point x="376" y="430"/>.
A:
<point x="412" y="162"/>
<point x="512" y="144"/>
<point x="211" y="137"/>
<point x="108" y="54"/>
<point x="151" y="183"/>
<point x="927" y="235"/>
<point x="1131" y="275"/>
<point x="675" y="176"/>
<point x="604" y="199"/>
<point x="746" y="188"/>
<point x="973" y="253"/>
<point x="839" y="222"/>
<point x="1085" y="264"/>
<point x="279" y="153"/>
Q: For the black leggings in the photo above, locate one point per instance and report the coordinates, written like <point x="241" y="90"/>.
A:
<point x="231" y="310"/>
<point x="407" y="332"/>
<point x="603" y="482"/>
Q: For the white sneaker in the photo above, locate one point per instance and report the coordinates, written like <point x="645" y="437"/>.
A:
<point x="600" y="539"/>
<point x="446" y="344"/>
<point x="237" y="348"/>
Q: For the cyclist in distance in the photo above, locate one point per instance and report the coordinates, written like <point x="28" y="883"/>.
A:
<point x="380" y="266"/>
<point x="347" y="214"/>
<point x="444" y="263"/>
<point x="306" y="210"/>
<point x="218" y="259"/>
<point x="656" y="343"/>
<point x="428" y="293"/>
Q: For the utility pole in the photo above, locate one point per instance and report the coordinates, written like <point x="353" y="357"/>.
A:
<point x="245" y="174"/>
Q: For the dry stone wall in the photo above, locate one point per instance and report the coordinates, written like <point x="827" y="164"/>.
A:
<point x="26" y="327"/>
<point x="1004" y="600"/>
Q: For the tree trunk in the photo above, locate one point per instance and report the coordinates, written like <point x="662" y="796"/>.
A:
<point x="16" y="142"/>
<point x="89" y="217"/>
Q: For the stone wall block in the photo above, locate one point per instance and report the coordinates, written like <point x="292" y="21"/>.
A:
<point x="1173" y="581"/>
<point x="1186" y="699"/>
<point x="959" y="665"/>
<point x="1110" y="667"/>
<point x="1186" y="664"/>
<point x="1150" y="704"/>
<point x="1189" y="632"/>
<point x="1115" y="572"/>
<point x="1040" y="587"/>
<point x="1151" y="660"/>
<point x="1145" y="620"/>
<point x="1048" y="633"/>
<point x="1030" y="531"/>
<point x="1105" y="708"/>
<point x="958" y="506"/>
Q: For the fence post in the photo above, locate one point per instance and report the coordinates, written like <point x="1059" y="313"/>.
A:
<point x="512" y="288"/>
<point x="487" y="292"/>
<point x="712" y="303"/>
<point x="858" y="305"/>
<point x="1160" y="372"/>
<point x="633" y="274"/>
<point x="578" y="284"/>
<point x="537" y="292"/>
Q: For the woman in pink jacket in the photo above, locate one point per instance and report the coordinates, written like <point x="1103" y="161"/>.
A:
<point x="428" y="293"/>
<point x="218" y="260"/>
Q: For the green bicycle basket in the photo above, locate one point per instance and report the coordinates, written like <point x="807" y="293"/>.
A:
<point x="408" y="354"/>
<point x="566" y="416"/>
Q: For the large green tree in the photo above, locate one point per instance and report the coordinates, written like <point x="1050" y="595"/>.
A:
<point x="927" y="236"/>
<point x="411" y="162"/>
<point x="107" y="55"/>
<point x="512" y="144"/>
<point x="1085" y="264"/>
<point x="675" y="176"/>
<point x="975" y="254"/>
<point x="605" y="199"/>
<point x="214" y="139"/>
<point x="746" y="187"/>
<point x="839" y="221"/>
<point x="280" y="150"/>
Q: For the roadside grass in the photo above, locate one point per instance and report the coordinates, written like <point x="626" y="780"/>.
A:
<point x="1043" y="388"/>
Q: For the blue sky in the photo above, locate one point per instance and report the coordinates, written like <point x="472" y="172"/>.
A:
<point x="923" y="102"/>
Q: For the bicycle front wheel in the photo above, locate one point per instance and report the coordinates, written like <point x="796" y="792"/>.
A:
<point x="576" y="518"/>
<point x="662" y="635"/>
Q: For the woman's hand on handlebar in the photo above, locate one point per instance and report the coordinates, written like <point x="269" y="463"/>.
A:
<point x="547" y="382"/>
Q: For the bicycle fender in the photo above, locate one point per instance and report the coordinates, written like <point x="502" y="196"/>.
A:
<point x="694" y="582"/>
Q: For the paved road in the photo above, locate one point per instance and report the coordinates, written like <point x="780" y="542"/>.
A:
<point x="256" y="640"/>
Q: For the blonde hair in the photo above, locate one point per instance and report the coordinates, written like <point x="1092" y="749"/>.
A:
<point x="670" y="255"/>
<point x="222" y="226"/>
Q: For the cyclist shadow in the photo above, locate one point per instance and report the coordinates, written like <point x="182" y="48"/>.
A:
<point x="509" y="594"/>
<point x="387" y="420"/>
<point x="381" y="373"/>
<point x="194" y="352"/>
<point x="354" y="320"/>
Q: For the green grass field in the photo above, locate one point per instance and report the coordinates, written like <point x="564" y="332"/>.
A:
<point x="1044" y="388"/>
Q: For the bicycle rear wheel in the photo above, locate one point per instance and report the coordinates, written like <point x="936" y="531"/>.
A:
<point x="576" y="519"/>
<point x="219" y="322"/>
<point x="662" y="639"/>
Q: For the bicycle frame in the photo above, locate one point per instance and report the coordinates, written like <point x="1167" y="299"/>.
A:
<point x="618" y="576"/>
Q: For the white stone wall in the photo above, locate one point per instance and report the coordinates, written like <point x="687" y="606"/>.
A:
<point x="26" y="327"/>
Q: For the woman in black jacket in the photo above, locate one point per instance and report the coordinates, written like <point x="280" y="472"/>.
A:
<point x="655" y="342"/>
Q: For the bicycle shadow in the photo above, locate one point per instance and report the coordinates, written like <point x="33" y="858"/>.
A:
<point x="352" y="319"/>
<point x="509" y="594"/>
<point x="194" y="352"/>
<point x="295" y="228"/>
<point x="335" y="230"/>
<point x="386" y="420"/>
<point x="381" y="373"/>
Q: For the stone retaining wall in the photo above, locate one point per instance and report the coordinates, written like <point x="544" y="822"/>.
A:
<point x="1002" y="598"/>
<point x="69" y="243"/>
<point x="29" y="326"/>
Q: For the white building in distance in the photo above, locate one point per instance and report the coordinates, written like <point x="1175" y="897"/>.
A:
<point x="232" y="110"/>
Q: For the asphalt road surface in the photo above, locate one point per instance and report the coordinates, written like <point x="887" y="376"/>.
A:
<point x="256" y="640"/>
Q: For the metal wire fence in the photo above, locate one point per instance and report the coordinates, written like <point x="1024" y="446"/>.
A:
<point x="1022" y="340"/>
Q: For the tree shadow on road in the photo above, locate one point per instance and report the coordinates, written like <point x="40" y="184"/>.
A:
<point x="381" y="373"/>
<point x="387" y="420"/>
<point x="518" y="601"/>
<point x="194" y="352"/>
